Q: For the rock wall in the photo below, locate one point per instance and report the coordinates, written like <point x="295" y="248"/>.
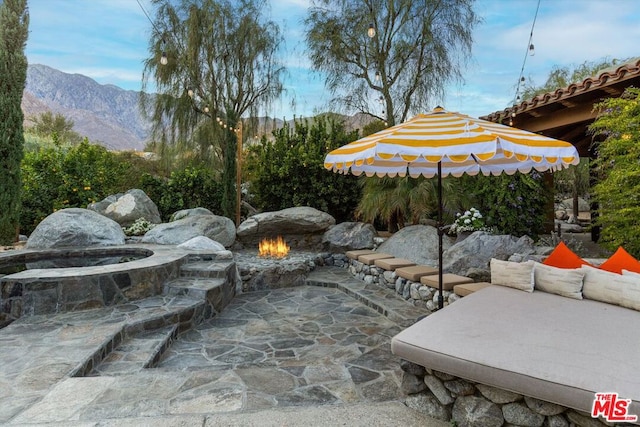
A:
<point x="465" y="403"/>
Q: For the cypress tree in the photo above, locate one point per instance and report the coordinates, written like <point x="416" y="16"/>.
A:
<point x="14" y="24"/>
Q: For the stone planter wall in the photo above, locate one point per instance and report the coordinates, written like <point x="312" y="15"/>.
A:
<point x="464" y="403"/>
<point x="414" y="292"/>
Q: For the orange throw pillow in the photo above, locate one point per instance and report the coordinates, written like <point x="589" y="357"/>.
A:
<point x="563" y="257"/>
<point x="621" y="260"/>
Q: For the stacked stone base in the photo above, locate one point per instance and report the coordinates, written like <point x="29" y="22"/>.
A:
<point x="259" y="274"/>
<point x="415" y="292"/>
<point x="464" y="403"/>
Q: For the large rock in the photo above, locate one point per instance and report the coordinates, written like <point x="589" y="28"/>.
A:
<point x="418" y="243"/>
<point x="349" y="236"/>
<point x="301" y="227"/>
<point x="76" y="227"/>
<point x="469" y="411"/>
<point x="190" y="212"/>
<point x="475" y="252"/>
<point x="126" y="208"/>
<point x="583" y="205"/>
<point x="201" y="243"/>
<point x="218" y="228"/>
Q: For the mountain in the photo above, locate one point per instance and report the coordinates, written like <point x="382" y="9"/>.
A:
<point x="105" y="114"/>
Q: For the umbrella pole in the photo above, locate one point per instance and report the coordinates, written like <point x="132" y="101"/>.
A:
<point x="440" y="233"/>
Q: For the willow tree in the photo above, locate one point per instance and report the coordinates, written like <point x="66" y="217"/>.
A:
<point x="14" y="26"/>
<point x="389" y="58"/>
<point x="221" y="63"/>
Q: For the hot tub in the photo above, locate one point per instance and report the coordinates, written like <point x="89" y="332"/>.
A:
<point x="52" y="290"/>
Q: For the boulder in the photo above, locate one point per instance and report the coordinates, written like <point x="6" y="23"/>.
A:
<point x="349" y="236"/>
<point x="218" y="228"/>
<point x="201" y="243"/>
<point x="301" y="227"/>
<point x="475" y="252"/>
<point x="126" y="208"/>
<point x="418" y="243"/>
<point x="566" y="227"/>
<point x="583" y="205"/>
<point x="189" y="212"/>
<point x="76" y="227"/>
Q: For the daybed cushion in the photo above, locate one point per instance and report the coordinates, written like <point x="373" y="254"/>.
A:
<point x="621" y="260"/>
<point x="556" y="349"/>
<point x="603" y="286"/>
<point x="563" y="257"/>
<point x="631" y="291"/>
<point x="517" y="275"/>
<point x="566" y="282"/>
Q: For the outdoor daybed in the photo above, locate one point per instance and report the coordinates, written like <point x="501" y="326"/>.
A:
<point x="538" y="344"/>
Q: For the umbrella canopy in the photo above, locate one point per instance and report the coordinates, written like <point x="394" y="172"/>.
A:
<point x="443" y="143"/>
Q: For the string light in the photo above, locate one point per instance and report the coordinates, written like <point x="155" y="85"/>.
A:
<point x="163" y="59"/>
<point x="371" y="32"/>
<point x="529" y="52"/>
<point x="377" y="76"/>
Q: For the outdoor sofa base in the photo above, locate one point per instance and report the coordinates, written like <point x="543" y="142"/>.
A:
<point x="545" y="346"/>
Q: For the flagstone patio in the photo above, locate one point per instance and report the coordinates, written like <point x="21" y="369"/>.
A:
<point x="324" y="344"/>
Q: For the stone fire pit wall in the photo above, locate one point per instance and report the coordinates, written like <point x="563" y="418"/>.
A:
<point x="464" y="403"/>
<point x="259" y="274"/>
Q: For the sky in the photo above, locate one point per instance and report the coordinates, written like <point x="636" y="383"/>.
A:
<point x="107" y="40"/>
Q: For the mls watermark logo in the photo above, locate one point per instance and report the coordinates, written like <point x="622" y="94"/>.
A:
<point x="612" y="408"/>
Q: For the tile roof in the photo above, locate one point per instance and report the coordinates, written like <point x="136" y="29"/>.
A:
<point x="602" y="82"/>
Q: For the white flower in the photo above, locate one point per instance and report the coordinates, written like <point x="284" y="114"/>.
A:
<point x="467" y="221"/>
<point x="467" y="213"/>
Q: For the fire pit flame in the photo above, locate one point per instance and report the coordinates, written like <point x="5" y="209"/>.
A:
<point x="274" y="248"/>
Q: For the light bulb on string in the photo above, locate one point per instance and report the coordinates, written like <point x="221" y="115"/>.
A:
<point x="163" y="59"/>
<point x="377" y="76"/>
<point x="532" y="50"/>
<point x="206" y="109"/>
<point x="371" y="32"/>
<point x="190" y="92"/>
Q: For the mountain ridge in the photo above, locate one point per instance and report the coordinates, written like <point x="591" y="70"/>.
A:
<point x="107" y="114"/>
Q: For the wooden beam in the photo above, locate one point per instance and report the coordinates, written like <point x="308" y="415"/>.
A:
<point x="565" y="117"/>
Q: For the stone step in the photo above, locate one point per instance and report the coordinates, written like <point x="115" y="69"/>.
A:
<point x="216" y="292"/>
<point x="389" y="304"/>
<point x="140" y="351"/>
<point x="217" y="269"/>
<point x="138" y="318"/>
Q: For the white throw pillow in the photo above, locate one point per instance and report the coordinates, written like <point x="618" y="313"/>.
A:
<point x="601" y="285"/>
<point x="631" y="291"/>
<point x="566" y="282"/>
<point x="518" y="275"/>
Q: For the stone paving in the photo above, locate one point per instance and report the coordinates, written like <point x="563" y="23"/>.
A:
<point x="324" y="344"/>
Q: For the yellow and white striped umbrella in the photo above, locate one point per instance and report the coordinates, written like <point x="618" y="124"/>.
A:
<point x="460" y="143"/>
<point x="443" y="143"/>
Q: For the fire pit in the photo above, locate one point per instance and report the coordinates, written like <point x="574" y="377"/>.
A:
<point x="274" y="265"/>
<point x="273" y="248"/>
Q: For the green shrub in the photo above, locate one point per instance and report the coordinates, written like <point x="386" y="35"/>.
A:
<point x="138" y="228"/>
<point x="618" y="171"/>
<point x="57" y="177"/>
<point x="511" y="204"/>
<point x="290" y="170"/>
<point x="191" y="187"/>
